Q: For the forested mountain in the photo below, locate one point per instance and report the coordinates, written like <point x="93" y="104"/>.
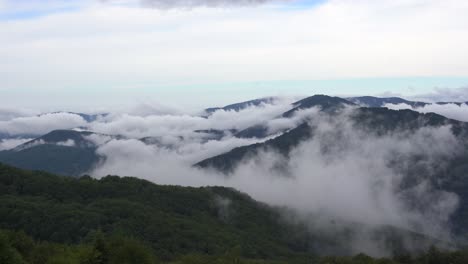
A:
<point x="65" y="152"/>
<point x="375" y="120"/>
<point x="324" y="102"/>
<point x="127" y="220"/>
<point x="378" y="123"/>
<point x="227" y="162"/>
<point x="173" y="220"/>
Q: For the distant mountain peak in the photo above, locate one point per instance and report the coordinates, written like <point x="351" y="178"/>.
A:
<point x="242" y="105"/>
<point x="67" y="138"/>
<point x="325" y="102"/>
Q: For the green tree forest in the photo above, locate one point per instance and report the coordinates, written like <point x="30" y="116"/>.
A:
<point x="51" y="219"/>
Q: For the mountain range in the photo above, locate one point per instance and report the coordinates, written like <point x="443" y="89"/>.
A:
<point x="70" y="152"/>
<point x="203" y="218"/>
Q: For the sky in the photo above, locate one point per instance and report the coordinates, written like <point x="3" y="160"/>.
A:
<point x="86" y="54"/>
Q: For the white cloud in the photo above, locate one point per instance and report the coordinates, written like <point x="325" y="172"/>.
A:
<point x="42" y="124"/>
<point x="67" y="143"/>
<point x="184" y="125"/>
<point x="8" y="113"/>
<point x="119" y="46"/>
<point x="98" y="139"/>
<point x="281" y="124"/>
<point x="7" y="144"/>
<point x="453" y="111"/>
<point x="31" y="144"/>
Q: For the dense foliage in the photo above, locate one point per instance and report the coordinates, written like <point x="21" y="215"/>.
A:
<point x="46" y="218"/>
<point x="172" y="220"/>
<point x="18" y="248"/>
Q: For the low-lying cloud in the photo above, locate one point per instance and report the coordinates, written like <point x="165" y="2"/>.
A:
<point x="342" y="174"/>
<point x="184" y="125"/>
<point x="7" y="144"/>
<point x="11" y="113"/>
<point x="450" y="110"/>
<point x="41" y="124"/>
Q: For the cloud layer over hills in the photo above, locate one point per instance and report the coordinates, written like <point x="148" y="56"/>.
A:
<point x="342" y="176"/>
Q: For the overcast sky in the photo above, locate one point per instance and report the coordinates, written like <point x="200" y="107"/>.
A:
<point x="91" y="53"/>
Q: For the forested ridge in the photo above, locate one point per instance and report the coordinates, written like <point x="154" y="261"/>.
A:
<point x="46" y="218"/>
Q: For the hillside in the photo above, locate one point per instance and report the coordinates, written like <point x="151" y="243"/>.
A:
<point x="227" y="162"/>
<point x="378" y="123"/>
<point x="64" y="152"/>
<point x="173" y="220"/>
<point x="170" y="221"/>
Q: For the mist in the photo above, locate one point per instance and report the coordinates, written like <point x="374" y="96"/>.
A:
<point x="343" y="174"/>
<point x="176" y="124"/>
<point x="344" y="177"/>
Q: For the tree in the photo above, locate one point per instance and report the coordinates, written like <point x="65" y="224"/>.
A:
<point x="8" y="254"/>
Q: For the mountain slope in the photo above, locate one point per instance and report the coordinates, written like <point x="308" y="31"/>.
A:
<point x="375" y="120"/>
<point x="173" y="221"/>
<point x="227" y="162"/>
<point x="325" y="103"/>
<point x="64" y="152"/>
<point x="379" y="122"/>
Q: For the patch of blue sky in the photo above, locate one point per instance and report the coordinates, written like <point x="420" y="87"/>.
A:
<point x="30" y="9"/>
<point x="302" y="4"/>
